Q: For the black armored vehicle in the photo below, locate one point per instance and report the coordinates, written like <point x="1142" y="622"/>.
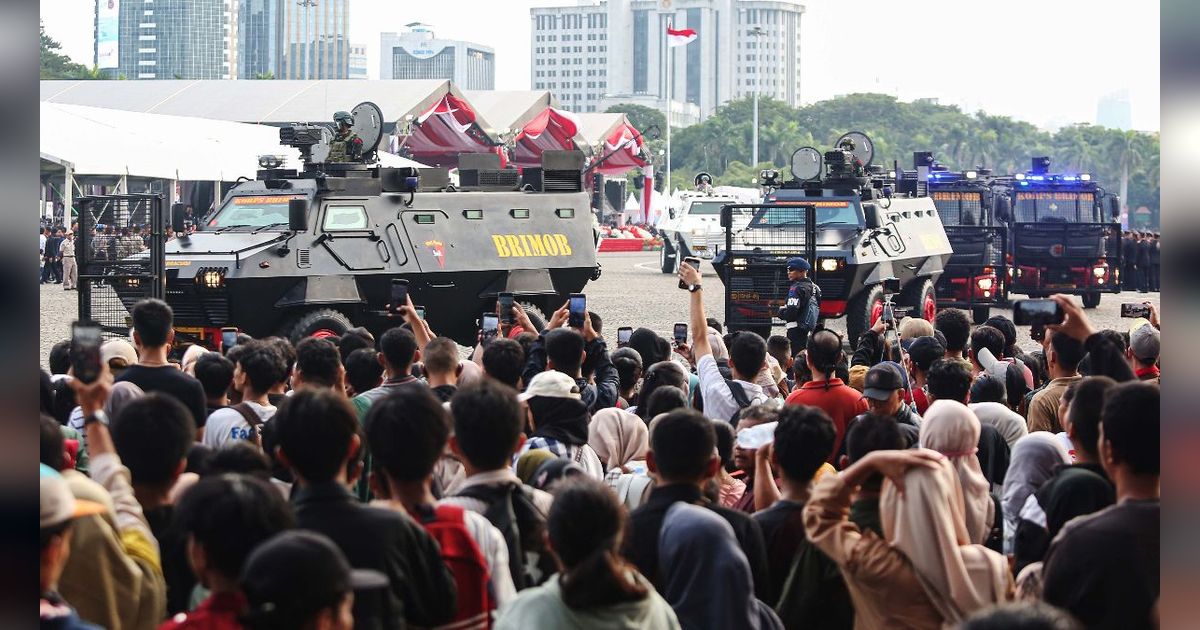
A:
<point x="855" y="223"/>
<point x="1065" y="235"/>
<point x="313" y="251"/>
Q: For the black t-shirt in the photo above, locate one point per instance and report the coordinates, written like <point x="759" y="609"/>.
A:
<point x="172" y="381"/>
<point x="172" y="544"/>
<point x="817" y="596"/>
<point x="444" y="392"/>
<point x="1104" y="568"/>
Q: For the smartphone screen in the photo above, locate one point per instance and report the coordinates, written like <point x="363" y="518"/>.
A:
<point x="891" y="285"/>
<point x="695" y="264"/>
<point x="681" y="330"/>
<point x="228" y="338"/>
<point x="420" y="311"/>
<point x="1036" y="312"/>
<point x="85" y="351"/>
<point x="505" y="301"/>
<point x="399" y="294"/>
<point x="490" y="323"/>
<point x="577" y="310"/>
<point x="1134" y="310"/>
<point x="623" y="335"/>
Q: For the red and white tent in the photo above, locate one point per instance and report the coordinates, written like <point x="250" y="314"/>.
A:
<point x="552" y="130"/>
<point x="444" y="128"/>
<point x="613" y="134"/>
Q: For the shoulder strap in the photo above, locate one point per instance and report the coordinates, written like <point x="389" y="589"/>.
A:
<point x="248" y="414"/>
<point x="738" y="393"/>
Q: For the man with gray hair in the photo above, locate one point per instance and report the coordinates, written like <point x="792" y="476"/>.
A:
<point x="1144" y="348"/>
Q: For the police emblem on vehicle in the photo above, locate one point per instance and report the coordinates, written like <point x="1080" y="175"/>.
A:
<point x="1057" y="250"/>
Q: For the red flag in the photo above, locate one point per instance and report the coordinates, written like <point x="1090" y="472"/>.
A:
<point x="681" y="37"/>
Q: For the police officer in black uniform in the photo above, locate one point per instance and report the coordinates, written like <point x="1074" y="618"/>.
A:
<point x="1155" y="262"/>
<point x="800" y="292"/>
<point x="1129" y="281"/>
<point x="1143" y="262"/>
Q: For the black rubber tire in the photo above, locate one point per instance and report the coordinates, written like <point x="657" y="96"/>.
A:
<point x="309" y="322"/>
<point x="913" y="296"/>
<point x="668" y="257"/>
<point x="858" y="313"/>
<point x="1091" y="300"/>
<point x="535" y="315"/>
<point x="980" y="314"/>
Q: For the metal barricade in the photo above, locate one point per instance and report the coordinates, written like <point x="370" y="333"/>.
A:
<point x="119" y="264"/>
<point x="756" y="283"/>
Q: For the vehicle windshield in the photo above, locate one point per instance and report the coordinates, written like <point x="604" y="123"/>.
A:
<point x="959" y="208"/>
<point x="253" y="211"/>
<point x="707" y="208"/>
<point x="828" y="212"/>
<point x="1058" y="206"/>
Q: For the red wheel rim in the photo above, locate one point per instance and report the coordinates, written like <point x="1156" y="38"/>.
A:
<point x="876" y="311"/>
<point x="324" y="333"/>
<point x="930" y="308"/>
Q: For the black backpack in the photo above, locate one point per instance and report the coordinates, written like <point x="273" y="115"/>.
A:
<point x="739" y="397"/>
<point x="511" y="509"/>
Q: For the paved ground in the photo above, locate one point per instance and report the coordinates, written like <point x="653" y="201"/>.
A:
<point x="631" y="292"/>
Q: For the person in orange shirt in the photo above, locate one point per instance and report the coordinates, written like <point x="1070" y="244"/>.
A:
<point x="825" y="391"/>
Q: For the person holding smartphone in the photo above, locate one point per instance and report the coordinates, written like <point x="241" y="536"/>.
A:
<point x="574" y="350"/>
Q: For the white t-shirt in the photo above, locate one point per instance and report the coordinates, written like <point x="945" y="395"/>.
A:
<point x="718" y="400"/>
<point x="1008" y="423"/>
<point x="225" y="426"/>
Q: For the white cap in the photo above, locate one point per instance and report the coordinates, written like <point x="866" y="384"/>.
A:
<point x="551" y="384"/>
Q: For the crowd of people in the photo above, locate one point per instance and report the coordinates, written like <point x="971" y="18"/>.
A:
<point x="934" y="476"/>
<point x="1141" y="257"/>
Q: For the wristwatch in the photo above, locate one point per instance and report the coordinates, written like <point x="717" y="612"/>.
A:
<point x="694" y="287"/>
<point x="98" y="416"/>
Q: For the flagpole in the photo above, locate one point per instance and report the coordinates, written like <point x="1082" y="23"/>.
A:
<point x="667" y="175"/>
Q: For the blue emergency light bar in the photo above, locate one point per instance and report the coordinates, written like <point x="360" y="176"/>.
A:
<point x="1024" y="178"/>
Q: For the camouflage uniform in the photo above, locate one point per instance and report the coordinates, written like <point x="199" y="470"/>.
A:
<point x="346" y="147"/>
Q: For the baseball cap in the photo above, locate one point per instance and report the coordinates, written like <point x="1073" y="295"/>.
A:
<point x="299" y="571"/>
<point x="552" y="384"/>
<point x="881" y="381"/>
<point x="798" y="264"/>
<point x="923" y="351"/>
<point x="118" y="349"/>
<point x="58" y="505"/>
<point x="1145" y="342"/>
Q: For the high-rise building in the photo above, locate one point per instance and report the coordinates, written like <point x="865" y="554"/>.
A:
<point x="1115" y="111"/>
<point x="743" y="46"/>
<point x="164" y="39"/>
<point x="293" y="39"/>
<point x="419" y="54"/>
<point x="358" y="61"/>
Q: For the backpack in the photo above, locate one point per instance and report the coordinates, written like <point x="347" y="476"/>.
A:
<point x="447" y="525"/>
<point x="631" y="488"/>
<point x="739" y="397"/>
<point x="511" y="509"/>
<point x="812" y="310"/>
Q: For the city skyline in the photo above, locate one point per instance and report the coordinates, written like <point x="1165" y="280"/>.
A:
<point x="1053" y="72"/>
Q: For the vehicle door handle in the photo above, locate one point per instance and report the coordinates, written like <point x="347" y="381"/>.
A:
<point x="448" y="285"/>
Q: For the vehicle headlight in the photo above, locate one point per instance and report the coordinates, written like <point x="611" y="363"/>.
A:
<point x="211" y="278"/>
<point x="831" y="264"/>
<point x="984" y="283"/>
<point x="1098" y="271"/>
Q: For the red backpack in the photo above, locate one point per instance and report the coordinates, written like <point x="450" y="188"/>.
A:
<point x="447" y="525"/>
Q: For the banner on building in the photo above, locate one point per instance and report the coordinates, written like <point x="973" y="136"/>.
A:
<point x="107" y="39"/>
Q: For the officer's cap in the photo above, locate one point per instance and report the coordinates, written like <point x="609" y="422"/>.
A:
<point x="799" y="264"/>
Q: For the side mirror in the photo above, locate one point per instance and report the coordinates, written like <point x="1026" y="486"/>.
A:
<point x="726" y="216"/>
<point x="298" y="215"/>
<point x="1114" y="207"/>
<point x="1003" y="209"/>
<point x="871" y="214"/>
<point x="178" y="214"/>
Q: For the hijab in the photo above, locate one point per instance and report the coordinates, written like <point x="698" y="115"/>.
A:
<point x="706" y="577"/>
<point x="952" y="429"/>
<point x="529" y="461"/>
<point x="562" y="419"/>
<point x="1034" y="458"/>
<point x="188" y="362"/>
<point x="926" y="524"/>
<point x="618" y="437"/>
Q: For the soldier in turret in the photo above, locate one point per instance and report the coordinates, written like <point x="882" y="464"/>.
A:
<point x="346" y="145"/>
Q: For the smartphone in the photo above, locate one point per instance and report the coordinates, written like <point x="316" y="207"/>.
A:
<point x="1037" y="332"/>
<point x="576" y="310"/>
<point x="623" y="335"/>
<point x="680" y="332"/>
<point x="420" y="311"/>
<point x="505" y="300"/>
<point x="490" y="323"/>
<point x="695" y="263"/>
<point x="229" y="336"/>
<point x="85" y="351"/>
<point x="399" y="294"/>
<point x="1037" y="312"/>
<point x="891" y="285"/>
<point x="1134" y="310"/>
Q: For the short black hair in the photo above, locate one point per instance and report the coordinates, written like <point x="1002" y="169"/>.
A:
<point x="503" y="359"/>
<point x="1015" y="385"/>
<point x="988" y="388"/>
<point x="1067" y="349"/>
<point x="1086" y="405"/>
<point x="285" y="349"/>
<point x="665" y="399"/>
<point x="314" y="429"/>
<point x="152" y="434"/>
<point x="1023" y="615"/>
<point x="60" y="357"/>
<point x="661" y="374"/>
<point x="239" y="456"/>
<point x="682" y="443"/>
<point x="628" y="363"/>
<point x="363" y="371"/>
<point x="215" y="374"/>
<point x="923" y="354"/>
<point x="440" y="356"/>
<point x="747" y="354"/>
<point x="714" y="324"/>
<point x="955" y="325"/>
<point x="779" y="347"/>
<point x="597" y="322"/>
<point x="803" y="441"/>
<point x="52" y="451"/>
<point x="407" y="432"/>
<point x="318" y="361"/>
<point x="1130" y="418"/>
<point x="229" y="515"/>
<point x="564" y="347"/>
<point x="399" y="347"/>
<point x="262" y="364"/>
<point x="949" y="379"/>
<point x="352" y="340"/>
<point x="987" y="337"/>
<point x="152" y="321"/>
<point x="1006" y="328"/>
<point x="869" y="433"/>
<point x="487" y="423"/>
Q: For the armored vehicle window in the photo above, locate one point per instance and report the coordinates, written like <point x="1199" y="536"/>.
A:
<point x="959" y="208"/>
<point x="345" y="218"/>
<point x="706" y="207"/>
<point x="828" y="213"/>
<point x="254" y="211"/>
<point x="1059" y="206"/>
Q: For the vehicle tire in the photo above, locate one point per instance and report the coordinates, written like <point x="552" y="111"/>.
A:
<point x="980" y="314"/>
<point x="1091" y="299"/>
<point x="320" y="323"/>
<point x="921" y="298"/>
<point x="668" y="256"/>
<point x="862" y="311"/>
<point x="535" y="314"/>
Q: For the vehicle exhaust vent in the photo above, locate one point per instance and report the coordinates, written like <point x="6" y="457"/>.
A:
<point x="302" y="260"/>
<point x="562" y="171"/>
<point x="481" y="171"/>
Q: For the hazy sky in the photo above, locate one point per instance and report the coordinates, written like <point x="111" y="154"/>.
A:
<point x="1045" y="61"/>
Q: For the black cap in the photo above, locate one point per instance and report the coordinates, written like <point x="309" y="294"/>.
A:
<point x="881" y="381"/>
<point x="297" y="573"/>
<point x="923" y="351"/>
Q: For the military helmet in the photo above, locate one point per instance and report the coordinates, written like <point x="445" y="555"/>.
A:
<point x="344" y="117"/>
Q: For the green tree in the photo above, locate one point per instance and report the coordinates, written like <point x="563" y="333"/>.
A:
<point x="55" y="65"/>
<point x="640" y="116"/>
<point x="264" y="76"/>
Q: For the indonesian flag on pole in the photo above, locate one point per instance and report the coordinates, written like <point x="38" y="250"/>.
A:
<point x="681" y="37"/>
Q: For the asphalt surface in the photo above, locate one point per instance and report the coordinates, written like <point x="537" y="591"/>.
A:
<point x="631" y="292"/>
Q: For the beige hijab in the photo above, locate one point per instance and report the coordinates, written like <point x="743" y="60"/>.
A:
<point x="952" y="429"/>
<point x="926" y="525"/>
<point x="618" y="437"/>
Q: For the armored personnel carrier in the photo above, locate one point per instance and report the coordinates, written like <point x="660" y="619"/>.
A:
<point x="857" y="225"/>
<point x="313" y="251"/>
<point x="695" y="229"/>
